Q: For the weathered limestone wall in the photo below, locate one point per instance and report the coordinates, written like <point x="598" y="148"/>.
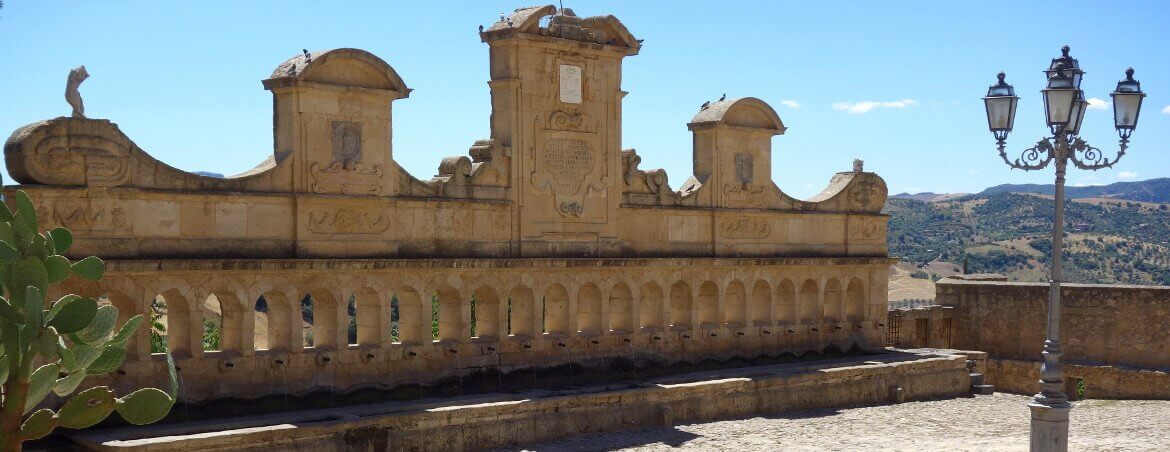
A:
<point x="924" y="327"/>
<point x="485" y="422"/>
<point x="529" y="313"/>
<point x="1113" y="336"/>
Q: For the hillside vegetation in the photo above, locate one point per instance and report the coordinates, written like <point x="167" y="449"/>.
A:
<point x="1107" y="240"/>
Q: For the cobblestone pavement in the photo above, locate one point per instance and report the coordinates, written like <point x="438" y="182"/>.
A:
<point x="996" y="422"/>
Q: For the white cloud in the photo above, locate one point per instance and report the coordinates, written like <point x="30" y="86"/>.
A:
<point x="866" y="106"/>
<point x="1166" y="110"/>
<point x="790" y="103"/>
<point x="1098" y="104"/>
<point x="1127" y="175"/>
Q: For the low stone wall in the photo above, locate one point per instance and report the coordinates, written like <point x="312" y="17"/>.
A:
<point x="502" y="420"/>
<point x="1114" y="336"/>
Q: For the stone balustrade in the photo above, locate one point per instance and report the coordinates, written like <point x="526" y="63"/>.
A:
<point x="528" y="313"/>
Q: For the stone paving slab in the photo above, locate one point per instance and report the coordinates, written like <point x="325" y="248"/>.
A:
<point x="982" y="423"/>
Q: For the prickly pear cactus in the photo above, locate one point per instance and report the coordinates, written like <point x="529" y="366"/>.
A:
<point x="52" y="347"/>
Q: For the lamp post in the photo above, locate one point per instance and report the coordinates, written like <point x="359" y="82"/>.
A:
<point x="1064" y="109"/>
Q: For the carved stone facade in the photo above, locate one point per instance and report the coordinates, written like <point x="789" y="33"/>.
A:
<point x="548" y="209"/>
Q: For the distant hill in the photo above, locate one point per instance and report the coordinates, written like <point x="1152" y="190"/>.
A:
<point x="930" y="197"/>
<point x="1108" y="240"/>
<point x="209" y="174"/>
<point x="1153" y="190"/>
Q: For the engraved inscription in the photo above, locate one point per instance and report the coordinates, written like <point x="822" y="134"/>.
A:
<point x="347" y="142"/>
<point x="570" y="84"/>
<point x="82" y="217"/>
<point x="743" y="168"/>
<point x="745" y="228"/>
<point x="568" y="160"/>
<point x="347" y="221"/>
<point x="352" y="179"/>
<point x="864" y="229"/>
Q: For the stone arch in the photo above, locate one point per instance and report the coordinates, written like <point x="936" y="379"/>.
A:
<point x="855" y="300"/>
<point x="285" y="325"/>
<point x="452" y="325"/>
<point x="236" y="319"/>
<point x="487" y="313"/>
<point x="372" y="317"/>
<point x="786" y="302"/>
<point x="681" y="305"/>
<point x="414" y="315"/>
<point x="831" y="302"/>
<point x="735" y="303"/>
<point x="556" y="309"/>
<point x="589" y="312"/>
<point x="810" y="311"/>
<point x="523" y="317"/>
<point x="184" y="325"/>
<point x="761" y="303"/>
<point x="650" y="306"/>
<point x="621" y="308"/>
<point x="329" y="320"/>
<point x="708" y="304"/>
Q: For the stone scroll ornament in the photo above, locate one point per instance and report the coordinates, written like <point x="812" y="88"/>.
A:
<point x="72" y="95"/>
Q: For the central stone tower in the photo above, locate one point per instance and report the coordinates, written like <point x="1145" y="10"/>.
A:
<point x="556" y="112"/>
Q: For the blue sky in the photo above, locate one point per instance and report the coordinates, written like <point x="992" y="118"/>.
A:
<point x="897" y="84"/>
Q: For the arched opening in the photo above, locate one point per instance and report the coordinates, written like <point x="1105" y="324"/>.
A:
<point x="211" y="326"/>
<point x="556" y="309"/>
<point x="831" y="306"/>
<point x="522" y="319"/>
<point x="809" y="306"/>
<point x="650" y="306"/>
<point x="589" y="308"/>
<point x="680" y="305"/>
<point x="761" y="309"/>
<point x="621" y="308"/>
<point x="709" y="304"/>
<point x="159" y="332"/>
<point x="486" y="312"/>
<point x="262" y="325"/>
<point x="855" y="300"/>
<point x="395" y="319"/>
<point x="735" y="305"/>
<point x="786" y="302"/>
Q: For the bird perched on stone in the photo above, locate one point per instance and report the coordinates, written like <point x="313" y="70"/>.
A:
<point x="308" y="58"/>
<point x="723" y="97"/>
<point x="481" y="28"/>
<point x="705" y="105"/>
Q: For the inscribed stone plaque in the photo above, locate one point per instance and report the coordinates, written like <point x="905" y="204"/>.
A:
<point x="743" y="168"/>
<point x="568" y="161"/>
<point x="347" y="142"/>
<point x="570" y="84"/>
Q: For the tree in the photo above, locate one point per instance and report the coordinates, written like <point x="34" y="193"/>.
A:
<point x="74" y="336"/>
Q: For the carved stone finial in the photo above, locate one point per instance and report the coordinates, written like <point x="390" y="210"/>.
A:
<point x="1064" y="51"/>
<point x="76" y="76"/>
<point x="858" y="165"/>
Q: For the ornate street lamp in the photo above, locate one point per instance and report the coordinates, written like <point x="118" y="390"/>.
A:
<point x="1064" y="109"/>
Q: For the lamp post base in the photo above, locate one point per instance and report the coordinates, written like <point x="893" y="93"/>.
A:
<point x="1049" y="427"/>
